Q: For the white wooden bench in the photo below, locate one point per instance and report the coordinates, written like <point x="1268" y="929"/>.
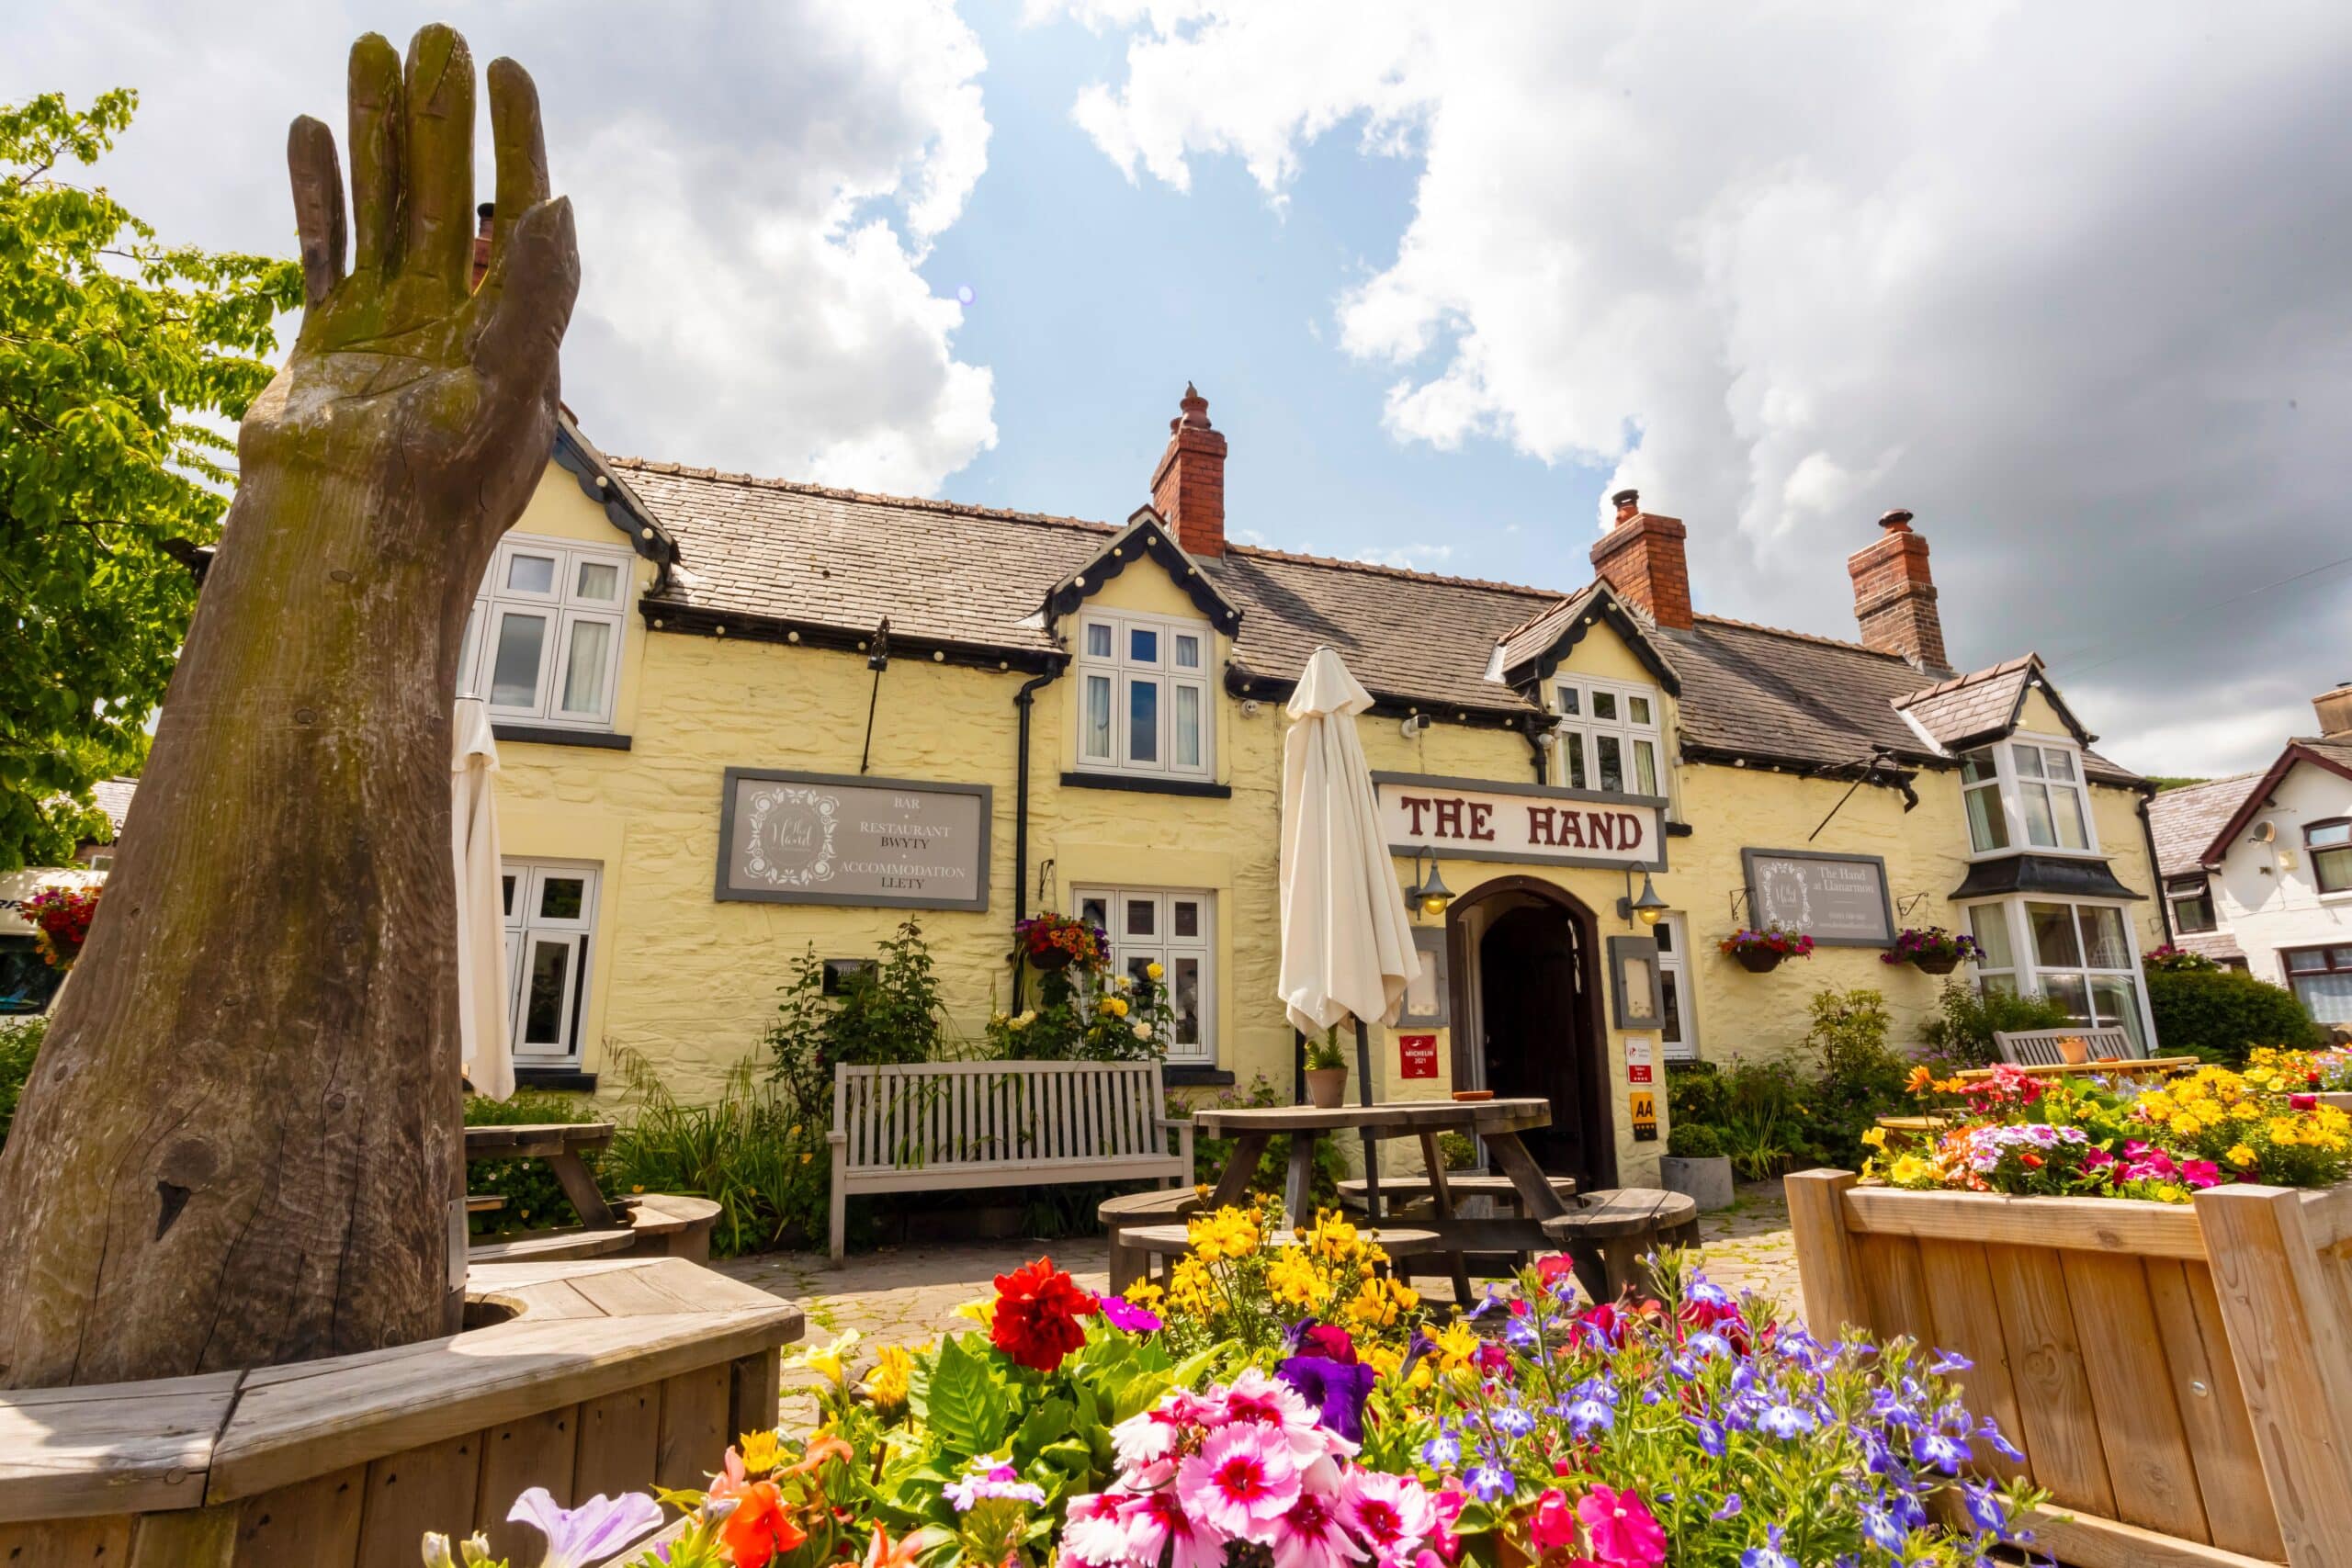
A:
<point x="2039" y="1047"/>
<point x="948" y="1126"/>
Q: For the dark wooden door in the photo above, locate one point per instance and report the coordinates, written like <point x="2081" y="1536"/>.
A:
<point x="1538" y="1044"/>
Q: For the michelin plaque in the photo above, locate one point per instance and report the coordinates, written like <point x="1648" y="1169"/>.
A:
<point x="835" y="839"/>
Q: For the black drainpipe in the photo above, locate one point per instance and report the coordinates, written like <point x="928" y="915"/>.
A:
<point x="1024" y="700"/>
<point x="1535" y="730"/>
<point x="2164" y="903"/>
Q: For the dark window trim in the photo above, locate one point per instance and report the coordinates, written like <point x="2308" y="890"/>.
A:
<point x="541" y="735"/>
<point x="569" y="1080"/>
<point x="2177" y="897"/>
<point x="1193" y="1074"/>
<point x="2319" y="878"/>
<point x="1199" y="788"/>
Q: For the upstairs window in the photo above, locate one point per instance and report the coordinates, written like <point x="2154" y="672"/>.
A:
<point x="1609" y="737"/>
<point x="2026" y="794"/>
<point x="1980" y="784"/>
<point x="544" y="642"/>
<point x="2192" y="905"/>
<point x="1143" y="695"/>
<point x="2329" y="844"/>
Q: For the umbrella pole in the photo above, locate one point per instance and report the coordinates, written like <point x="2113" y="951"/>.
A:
<point x="1363" y="1097"/>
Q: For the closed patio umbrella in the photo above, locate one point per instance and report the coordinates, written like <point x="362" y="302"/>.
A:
<point x="1346" y="941"/>
<point x="488" y="1055"/>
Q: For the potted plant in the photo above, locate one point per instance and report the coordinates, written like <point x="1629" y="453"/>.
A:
<point x="1933" y="951"/>
<point x="1760" y="951"/>
<point x="1327" y="1072"/>
<point x="60" y="921"/>
<point x="1050" y="941"/>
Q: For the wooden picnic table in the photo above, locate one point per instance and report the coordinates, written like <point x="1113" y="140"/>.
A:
<point x="2131" y="1065"/>
<point x="562" y="1145"/>
<point x="1498" y="1122"/>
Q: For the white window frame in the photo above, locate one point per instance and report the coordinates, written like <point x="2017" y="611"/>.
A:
<point x="1578" y="731"/>
<point x="1673" y="969"/>
<point x="523" y="882"/>
<point x="563" y="609"/>
<point x="2025" y="971"/>
<point x="1164" y="947"/>
<point x="1123" y="671"/>
<point x="2013" y="778"/>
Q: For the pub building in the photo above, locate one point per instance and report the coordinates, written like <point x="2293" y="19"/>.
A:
<point x="742" y="717"/>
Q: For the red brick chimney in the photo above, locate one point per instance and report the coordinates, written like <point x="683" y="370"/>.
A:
<point x="1641" y="558"/>
<point x="1189" y="488"/>
<point x="1894" y="597"/>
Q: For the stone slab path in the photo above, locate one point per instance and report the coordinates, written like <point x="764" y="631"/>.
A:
<point x="909" y="1294"/>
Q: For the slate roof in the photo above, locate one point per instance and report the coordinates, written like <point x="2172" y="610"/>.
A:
<point x="2184" y="821"/>
<point x="1967" y="707"/>
<point x="113" y="797"/>
<point x="970" y="577"/>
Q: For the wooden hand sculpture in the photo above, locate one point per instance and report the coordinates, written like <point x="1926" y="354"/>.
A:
<point x="243" y="1139"/>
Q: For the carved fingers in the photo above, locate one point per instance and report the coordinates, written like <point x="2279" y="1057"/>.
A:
<point x="439" y="194"/>
<point x="515" y="132"/>
<point x="519" y="340"/>
<point x="378" y="131"/>
<point x="318" y="205"/>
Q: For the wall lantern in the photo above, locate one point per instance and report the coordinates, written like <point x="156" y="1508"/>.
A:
<point x="1645" y="908"/>
<point x="1429" y="894"/>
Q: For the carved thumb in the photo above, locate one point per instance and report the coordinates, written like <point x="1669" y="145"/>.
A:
<point x="517" y="346"/>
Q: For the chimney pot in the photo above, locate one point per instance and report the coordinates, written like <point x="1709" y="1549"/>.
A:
<point x="2334" y="711"/>
<point x="1895" y="595"/>
<point x="1187" y="488"/>
<point x="1627" y="502"/>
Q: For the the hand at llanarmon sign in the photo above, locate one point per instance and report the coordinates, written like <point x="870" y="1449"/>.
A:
<point x="242" y="1143"/>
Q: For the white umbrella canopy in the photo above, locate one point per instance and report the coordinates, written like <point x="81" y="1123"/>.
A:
<point x="488" y="1055"/>
<point x="1347" y="941"/>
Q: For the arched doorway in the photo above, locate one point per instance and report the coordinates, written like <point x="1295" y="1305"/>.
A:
<point x="1527" y="1021"/>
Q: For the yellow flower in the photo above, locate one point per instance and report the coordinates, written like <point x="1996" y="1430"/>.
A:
<point x="1875" y="1137"/>
<point x="2284" y="1132"/>
<point x="1292" y="1281"/>
<point x="759" y="1452"/>
<point x="2243" y="1157"/>
<point x="2184" y="1125"/>
<point x="1115" y="1006"/>
<point x="886" y="1385"/>
<point x="1910" y="1170"/>
<point x="2156" y="1107"/>
<point x="1456" y="1343"/>
<point x="981" y="1310"/>
<point x="1154" y="971"/>
<point x="827" y="1362"/>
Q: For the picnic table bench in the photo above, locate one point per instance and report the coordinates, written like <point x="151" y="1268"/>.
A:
<point x="953" y="1126"/>
<point x="665" y="1224"/>
<point x="1606" y="1234"/>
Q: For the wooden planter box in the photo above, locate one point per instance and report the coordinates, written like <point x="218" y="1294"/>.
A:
<point x="2179" y="1378"/>
<point x="611" y="1375"/>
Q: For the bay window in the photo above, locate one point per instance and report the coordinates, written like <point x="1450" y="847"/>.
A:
<point x="543" y="644"/>
<point x="2026" y="794"/>
<point x="1143" y="695"/>
<point x="2078" y="955"/>
<point x="1609" y="737"/>
<point x="2329" y="844"/>
<point x="1171" y="928"/>
<point x="550" y="916"/>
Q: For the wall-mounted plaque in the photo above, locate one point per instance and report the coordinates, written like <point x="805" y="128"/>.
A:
<point x="834" y="838"/>
<point x="1838" y="900"/>
<point x="1530" y="824"/>
<point x="1637" y="998"/>
<point x="1425" y="1003"/>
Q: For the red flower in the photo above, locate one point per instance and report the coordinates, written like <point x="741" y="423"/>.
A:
<point x="1038" y="1309"/>
<point x="759" y="1528"/>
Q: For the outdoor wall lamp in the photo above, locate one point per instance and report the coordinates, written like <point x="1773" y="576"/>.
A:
<point x="1645" y="908"/>
<point x="1429" y="894"/>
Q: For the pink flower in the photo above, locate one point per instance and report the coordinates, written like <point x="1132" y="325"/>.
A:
<point x="1447" y="1502"/>
<point x="1241" y="1481"/>
<point x="2302" y="1101"/>
<point x="1553" y="1526"/>
<point x="1394" y="1513"/>
<point x="1624" y="1533"/>
<point x="1140" y="1440"/>
<point x="1254" y="1398"/>
<point x="1154" y="1520"/>
<point x="1097" y="1532"/>
<point x="1308" y="1534"/>
<point x="2200" y="1173"/>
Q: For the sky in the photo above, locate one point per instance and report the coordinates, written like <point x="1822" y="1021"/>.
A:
<point x="2064" y="280"/>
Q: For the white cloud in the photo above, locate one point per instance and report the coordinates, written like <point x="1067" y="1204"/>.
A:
<point x="755" y="189"/>
<point x="1406" y="558"/>
<point x="2047" y="275"/>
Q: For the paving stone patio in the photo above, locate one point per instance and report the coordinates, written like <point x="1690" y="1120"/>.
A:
<point x="907" y="1294"/>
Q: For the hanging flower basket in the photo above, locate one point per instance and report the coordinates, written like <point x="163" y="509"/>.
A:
<point x="1057" y="941"/>
<point x="1931" y="950"/>
<point x="61" y="921"/>
<point x="1760" y="952"/>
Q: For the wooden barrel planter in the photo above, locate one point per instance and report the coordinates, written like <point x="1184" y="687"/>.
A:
<point x="2179" y="1377"/>
<point x="606" y="1374"/>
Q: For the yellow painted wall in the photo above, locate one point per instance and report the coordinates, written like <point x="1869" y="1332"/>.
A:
<point x="689" y="983"/>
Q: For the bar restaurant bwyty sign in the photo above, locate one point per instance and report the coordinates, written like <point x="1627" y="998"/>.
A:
<point x="1838" y="900"/>
<point x="1480" y="819"/>
<point x="831" y="839"/>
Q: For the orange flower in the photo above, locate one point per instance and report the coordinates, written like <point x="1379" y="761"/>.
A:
<point x="820" y="1450"/>
<point x="1919" y="1081"/>
<point x="759" y="1528"/>
<point x="883" y="1553"/>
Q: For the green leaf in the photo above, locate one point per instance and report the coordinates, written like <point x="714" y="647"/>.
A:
<point x="1049" y="1422"/>
<point x="968" y="1408"/>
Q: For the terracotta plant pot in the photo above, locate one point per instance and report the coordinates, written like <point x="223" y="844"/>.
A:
<point x="1929" y="964"/>
<point x="1759" y="959"/>
<point x="2073" y="1053"/>
<point x="1327" y="1087"/>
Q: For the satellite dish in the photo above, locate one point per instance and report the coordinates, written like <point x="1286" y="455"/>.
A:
<point x="2266" y="832"/>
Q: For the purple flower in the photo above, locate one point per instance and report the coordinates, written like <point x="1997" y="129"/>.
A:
<point x="1513" y="1421"/>
<point x="1945" y="1454"/>
<point x="1728" y="1509"/>
<point x="1125" y="1315"/>
<point x="1769" y="1555"/>
<point x="1442" y="1451"/>
<point x="1880" y="1528"/>
<point x="982" y="1482"/>
<point x="1587" y="1416"/>
<point x="1336" y="1389"/>
<point x="1490" y="1482"/>
<point x="596" y="1529"/>
<point x="1999" y="1444"/>
<point x="1985" y="1510"/>
<point x="1787" y="1422"/>
<point x="1711" y="1436"/>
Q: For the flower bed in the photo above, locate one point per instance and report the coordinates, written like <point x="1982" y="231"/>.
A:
<point x="1283" y="1404"/>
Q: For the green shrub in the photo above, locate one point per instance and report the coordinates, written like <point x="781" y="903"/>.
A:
<point x="1970" y="1020"/>
<point x="749" y="1150"/>
<point x="535" y="1200"/>
<point x="2223" y="1013"/>
<point x="1770" y="1117"/>
<point x="20" y="1043"/>
<point x="888" y="1013"/>
<point x="1697" y="1141"/>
